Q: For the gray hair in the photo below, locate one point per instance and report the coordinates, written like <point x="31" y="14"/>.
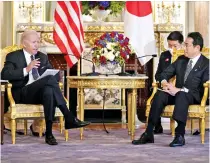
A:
<point x="26" y="33"/>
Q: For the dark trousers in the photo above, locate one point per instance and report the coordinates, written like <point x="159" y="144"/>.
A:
<point x="46" y="91"/>
<point x="181" y="100"/>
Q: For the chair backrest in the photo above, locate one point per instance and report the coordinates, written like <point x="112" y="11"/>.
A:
<point x="5" y="51"/>
<point x="177" y="53"/>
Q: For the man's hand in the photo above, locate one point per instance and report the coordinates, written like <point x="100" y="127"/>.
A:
<point x="34" y="64"/>
<point x="164" y="84"/>
<point x="172" y="89"/>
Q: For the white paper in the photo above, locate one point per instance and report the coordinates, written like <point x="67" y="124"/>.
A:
<point x="4" y="81"/>
<point x="49" y="72"/>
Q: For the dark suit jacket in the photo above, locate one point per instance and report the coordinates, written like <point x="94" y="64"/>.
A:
<point x="13" y="70"/>
<point x="198" y="75"/>
<point x="164" y="62"/>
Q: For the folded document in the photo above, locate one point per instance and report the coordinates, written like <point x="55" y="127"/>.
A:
<point x="49" y="72"/>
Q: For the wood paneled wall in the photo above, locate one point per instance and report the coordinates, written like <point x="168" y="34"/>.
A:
<point x="201" y="17"/>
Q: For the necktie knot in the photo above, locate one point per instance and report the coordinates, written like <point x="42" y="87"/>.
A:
<point x="32" y="57"/>
<point x="190" y="62"/>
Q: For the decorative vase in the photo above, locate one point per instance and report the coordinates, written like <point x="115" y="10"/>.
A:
<point x="99" y="15"/>
<point x="116" y="17"/>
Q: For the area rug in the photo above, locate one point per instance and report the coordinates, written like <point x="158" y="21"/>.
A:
<point x="100" y="147"/>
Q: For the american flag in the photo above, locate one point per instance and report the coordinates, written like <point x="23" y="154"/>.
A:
<point x="68" y="30"/>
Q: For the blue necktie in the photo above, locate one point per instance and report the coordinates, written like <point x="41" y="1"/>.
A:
<point x="35" y="72"/>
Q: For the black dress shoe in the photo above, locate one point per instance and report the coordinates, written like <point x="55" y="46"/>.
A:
<point x="145" y="138"/>
<point x="50" y="140"/>
<point x="178" y="141"/>
<point x="35" y="133"/>
<point x="196" y="132"/>
<point x="158" y="129"/>
<point x="18" y="132"/>
<point x="76" y="124"/>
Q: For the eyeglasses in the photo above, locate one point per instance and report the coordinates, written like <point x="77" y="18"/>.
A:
<point x="188" y="45"/>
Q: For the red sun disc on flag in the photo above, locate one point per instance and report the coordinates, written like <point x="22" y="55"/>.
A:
<point x="139" y="8"/>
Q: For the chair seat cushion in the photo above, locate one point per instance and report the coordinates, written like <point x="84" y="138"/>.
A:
<point x="30" y="110"/>
<point x="192" y="108"/>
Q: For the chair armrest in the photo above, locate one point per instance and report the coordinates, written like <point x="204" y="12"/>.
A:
<point x="60" y="85"/>
<point x="205" y="95"/>
<point x="9" y="94"/>
<point x="155" y="86"/>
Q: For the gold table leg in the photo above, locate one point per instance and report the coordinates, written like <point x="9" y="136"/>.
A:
<point x="133" y="111"/>
<point x="129" y="113"/>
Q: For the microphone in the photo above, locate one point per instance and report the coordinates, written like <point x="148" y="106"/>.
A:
<point x="93" y="73"/>
<point x="136" y="72"/>
<point x="152" y="55"/>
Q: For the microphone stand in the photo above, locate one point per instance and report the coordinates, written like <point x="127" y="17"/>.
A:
<point x="123" y="73"/>
<point x="93" y="73"/>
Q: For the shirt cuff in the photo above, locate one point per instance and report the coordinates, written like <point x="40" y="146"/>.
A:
<point x="184" y="90"/>
<point x="25" y="72"/>
<point x="164" y="80"/>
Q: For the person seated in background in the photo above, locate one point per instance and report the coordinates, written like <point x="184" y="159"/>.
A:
<point x="174" y="40"/>
<point x="22" y="68"/>
<point x="191" y="71"/>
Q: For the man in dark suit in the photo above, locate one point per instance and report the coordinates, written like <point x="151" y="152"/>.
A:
<point x="191" y="71"/>
<point x="22" y="68"/>
<point x="174" y="40"/>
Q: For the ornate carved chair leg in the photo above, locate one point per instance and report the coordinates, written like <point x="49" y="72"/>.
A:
<point x="66" y="135"/>
<point x="146" y="121"/>
<point x="13" y="129"/>
<point x="25" y="127"/>
<point x="192" y="126"/>
<point x="202" y="121"/>
<point x="61" y="124"/>
<point x="172" y="126"/>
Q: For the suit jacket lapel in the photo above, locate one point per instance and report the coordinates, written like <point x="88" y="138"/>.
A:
<point x="22" y="58"/>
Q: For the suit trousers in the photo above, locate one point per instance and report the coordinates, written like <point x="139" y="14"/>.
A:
<point x="181" y="100"/>
<point x="44" y="91"/>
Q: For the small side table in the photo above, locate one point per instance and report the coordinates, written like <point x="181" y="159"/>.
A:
<point x="3" y="86"/>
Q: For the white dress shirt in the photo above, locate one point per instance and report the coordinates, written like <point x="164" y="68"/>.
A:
<point x="28" y="61"/>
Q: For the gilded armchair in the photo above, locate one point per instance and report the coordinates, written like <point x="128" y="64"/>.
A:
<point x="199" y="111"/>
<point x="21" y="111"/>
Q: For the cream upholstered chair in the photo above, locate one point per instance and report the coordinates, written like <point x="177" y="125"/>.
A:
<point x="22" y="111"/>
<point x="194" y="112"/>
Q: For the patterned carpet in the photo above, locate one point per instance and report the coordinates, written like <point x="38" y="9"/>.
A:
<point x="99" y="147"/>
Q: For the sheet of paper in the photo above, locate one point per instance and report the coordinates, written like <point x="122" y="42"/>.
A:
<point x="4" y="81"/>
<point x="49" y="72"/>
